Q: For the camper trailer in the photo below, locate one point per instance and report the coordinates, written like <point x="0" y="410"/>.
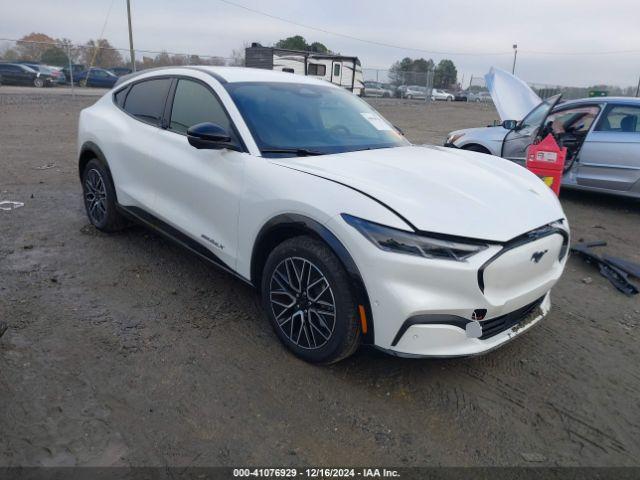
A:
<point x="343" y="71"/>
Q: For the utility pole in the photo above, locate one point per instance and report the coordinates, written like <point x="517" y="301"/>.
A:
<point x="515" y="55"/>
<point x="133" y="53"/>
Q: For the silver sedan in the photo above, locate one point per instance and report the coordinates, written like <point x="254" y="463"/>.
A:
<point x="602" y="136"/>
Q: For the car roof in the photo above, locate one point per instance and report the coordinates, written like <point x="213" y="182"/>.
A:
<point x="592" y="100"/>
<point x="231" y="74"/>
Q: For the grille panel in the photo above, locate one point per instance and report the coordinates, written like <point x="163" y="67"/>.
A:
<point x="494" y="326"/>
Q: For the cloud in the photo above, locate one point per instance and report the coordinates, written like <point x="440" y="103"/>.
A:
<point x="211" y="27"/>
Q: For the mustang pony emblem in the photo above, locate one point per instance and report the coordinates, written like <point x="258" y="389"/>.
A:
<point x="537" y="256"/>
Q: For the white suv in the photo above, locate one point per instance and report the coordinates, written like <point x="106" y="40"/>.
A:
<point x="350" y="233"/>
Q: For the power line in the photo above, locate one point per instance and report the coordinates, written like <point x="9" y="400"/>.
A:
<point x="421" y="50"/>
<point x="363" y="40"/>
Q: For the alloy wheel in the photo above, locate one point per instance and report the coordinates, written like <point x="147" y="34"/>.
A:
<point x="95" y="196"/>
<point x="302" y="303"/>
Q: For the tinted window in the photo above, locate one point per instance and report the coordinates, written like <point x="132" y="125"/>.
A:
<point x="315" y="117"/>
<point x="194" y="103"/>
<point x="119" y="96"/>
<point x="317" y="69"/>
<point x="145" y="100"/>
<point x="621" y="118"/>
<point x="336" y="70"/>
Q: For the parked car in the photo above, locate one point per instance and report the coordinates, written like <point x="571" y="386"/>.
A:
<point x="602" y="136"/>
<point x="375" y="89"/>
<point x="472" y="96"/>
<point x="58" y="75"/>
<point x="460" y="96"/>
<point x="77" y="69"/>
<point x="414" y="91"/>
<point x="17" y="74"/>
<point x="120" y="71"/>
<point x="46" y="70"/>
<point x="349" y="233"/>
<point x="96" y="77"/>
<point x="390" y="90"/>
<point x="438" y="94"/>
<point x="484" y="97"/>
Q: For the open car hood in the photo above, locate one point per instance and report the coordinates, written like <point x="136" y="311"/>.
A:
<point x="512" y="97"/>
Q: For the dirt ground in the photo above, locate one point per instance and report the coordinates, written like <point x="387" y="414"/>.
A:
<point x="126" y="350"/>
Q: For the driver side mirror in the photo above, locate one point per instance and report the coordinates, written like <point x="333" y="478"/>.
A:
<point x="510" y="124"/>
<point x="210" y="136"/>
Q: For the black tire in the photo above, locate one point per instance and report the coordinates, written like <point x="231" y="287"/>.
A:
<point x="477" y="148"/>
<point x="38" y="82"/>
<point x="292" y="313"/>
<point x="99" y="196"/>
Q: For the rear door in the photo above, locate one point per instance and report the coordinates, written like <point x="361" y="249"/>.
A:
<point x="515" y="143"/>
<point x="134" y="162"/>
<point x="610" y="155"/>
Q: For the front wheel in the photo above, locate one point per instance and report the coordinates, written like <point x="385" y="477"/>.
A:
<point x="38" y="82"/>
<point x="309" y="301"/>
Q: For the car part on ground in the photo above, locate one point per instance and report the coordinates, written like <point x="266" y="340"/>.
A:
<point x="611" y="270"/>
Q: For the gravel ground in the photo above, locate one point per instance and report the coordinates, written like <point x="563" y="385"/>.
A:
<point x="126" y="350"/>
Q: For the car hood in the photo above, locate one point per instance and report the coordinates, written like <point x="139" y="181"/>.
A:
<point x="512" y="97"/>
<point x="443" y="190"/>
<point x="490" y="134"/>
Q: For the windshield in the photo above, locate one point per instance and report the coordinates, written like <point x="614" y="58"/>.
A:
<point x="316" y="119"/>
<point x="538" y="114"/>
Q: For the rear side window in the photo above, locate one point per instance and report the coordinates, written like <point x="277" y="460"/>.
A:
<point x="621" y="118"/>
<point x="146" y="100"/>
<point x="194" y="103"/>
<point x="119" y="96"/>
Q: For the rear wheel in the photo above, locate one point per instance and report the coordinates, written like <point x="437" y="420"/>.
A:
<point x="100" y="198"/>
<point x="83" y="82"/>
<point x="307" y="296"/>
<point x="38" y="82"/>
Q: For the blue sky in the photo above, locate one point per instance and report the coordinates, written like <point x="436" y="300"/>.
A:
<point x="460" y="26"/>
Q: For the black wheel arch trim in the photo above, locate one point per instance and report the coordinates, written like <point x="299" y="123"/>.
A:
<point x="91" y="147"/>
<point x="306" y="224"/>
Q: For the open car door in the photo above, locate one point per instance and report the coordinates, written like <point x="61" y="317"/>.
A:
<point x="514" y="146"/>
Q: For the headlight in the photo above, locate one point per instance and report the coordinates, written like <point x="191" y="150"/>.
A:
<point x="400" y="241"/>
<point x="451" y="139"/>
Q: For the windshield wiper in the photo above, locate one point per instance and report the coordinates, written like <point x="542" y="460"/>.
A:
<point x="300" y="152"/>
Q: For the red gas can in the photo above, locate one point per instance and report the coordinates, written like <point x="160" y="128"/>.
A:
<point x="546" y="160"/>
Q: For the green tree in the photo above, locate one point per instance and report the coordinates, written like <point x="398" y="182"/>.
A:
<point x="318" y="47"/>
<point x="409" y="71"/>
<point x="55" y="56"/>
<point x="445" y="75"/>
<point x="296" y="42"/>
